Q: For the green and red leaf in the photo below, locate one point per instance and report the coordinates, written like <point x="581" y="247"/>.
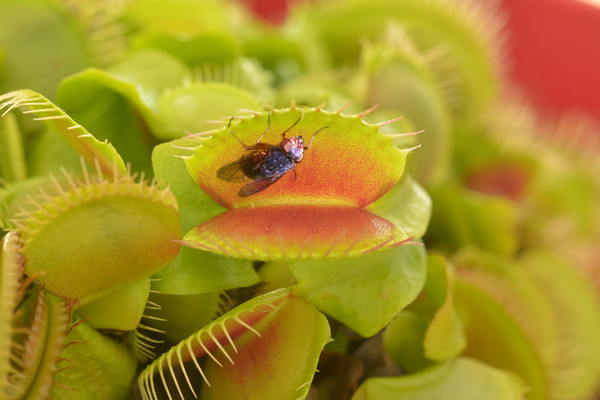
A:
<point x="267" y="347"/>
<point x="349" y="163"/>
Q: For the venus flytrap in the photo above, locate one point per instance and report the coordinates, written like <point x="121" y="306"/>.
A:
<point x="522" y="300"/>
<point x="122" y="97"/>
<point x="511" y="349"/>
<point x="145" y="224"/>
<point x="105" y="365"/>
<point x="36" y="332"/>
<point x="254" y="342"/>
<point x="12" y="165"/>
<point x="43" y="110"/>
<point x="397" y="76"/>
<point x="577" y="311"/>
<point x="214" y="93"/>
<point x="11" y="276"/>
<point x="194" y="271"/>
<point x="168" y="319"/>
<point x="95" y="205"/>
<point x="461" y="40"/>
<point x="337" y="236"/>
<point x="491" y="296"/>
<point x="319" y="195"/>
<point x="310" y="200"/>
<point x="331" y="90"/>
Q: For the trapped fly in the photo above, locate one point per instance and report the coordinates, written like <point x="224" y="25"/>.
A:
<point x="264" y="164"/>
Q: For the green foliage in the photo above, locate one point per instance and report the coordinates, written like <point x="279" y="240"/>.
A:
<point x="472" y="379"/>
<point x="105" y="364"/>
<point x="132" y="267"/>
<point x="59" y="48"/>
<point x="365" y="292"/>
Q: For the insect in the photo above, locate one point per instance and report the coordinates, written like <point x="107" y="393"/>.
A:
<point x="264" y="164"/>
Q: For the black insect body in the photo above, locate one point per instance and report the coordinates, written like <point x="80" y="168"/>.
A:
<point x="264" y="164"/>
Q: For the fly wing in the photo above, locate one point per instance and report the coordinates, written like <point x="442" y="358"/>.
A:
<point x="258" y="186"/>
<point x="234" y="172"/>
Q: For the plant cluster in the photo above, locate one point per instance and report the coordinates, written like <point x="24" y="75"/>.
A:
<point x="429" y="243"/>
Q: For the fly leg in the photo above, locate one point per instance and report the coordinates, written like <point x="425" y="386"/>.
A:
<point x="244" y="145"/>
<point x="293" y="125"/>
<point x="266" y="130"/>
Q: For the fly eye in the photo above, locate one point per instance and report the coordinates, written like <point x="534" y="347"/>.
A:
<point x="287" y="145"/>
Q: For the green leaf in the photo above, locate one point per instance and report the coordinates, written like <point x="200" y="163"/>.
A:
<point x="403" y="341"/>
<point x="12" y="158"/>
<point x="430" y="330"/>
<point x="102" y="102"/>
<point x="95" y="367"/>
<point x="180" y="316"/>
<point x="151" y="72"/>
<point x="121" y="309"/>
<point x="189" y="108"/>
<point x="195" y="205"/>
<point x="494" y="338"/>
<point x="406" y="205"/>
<point x="41" y="45"/>
<point x="206" y="47"/>
<point x="445" y="336"/>
<point x="366" y="292"/>
<point x="196" y="271"/>
<point x="469" y="379"/>
<point x="462" y="218"/>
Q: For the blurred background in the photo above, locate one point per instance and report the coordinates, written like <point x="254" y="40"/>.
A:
<point x="554" y="50"/>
